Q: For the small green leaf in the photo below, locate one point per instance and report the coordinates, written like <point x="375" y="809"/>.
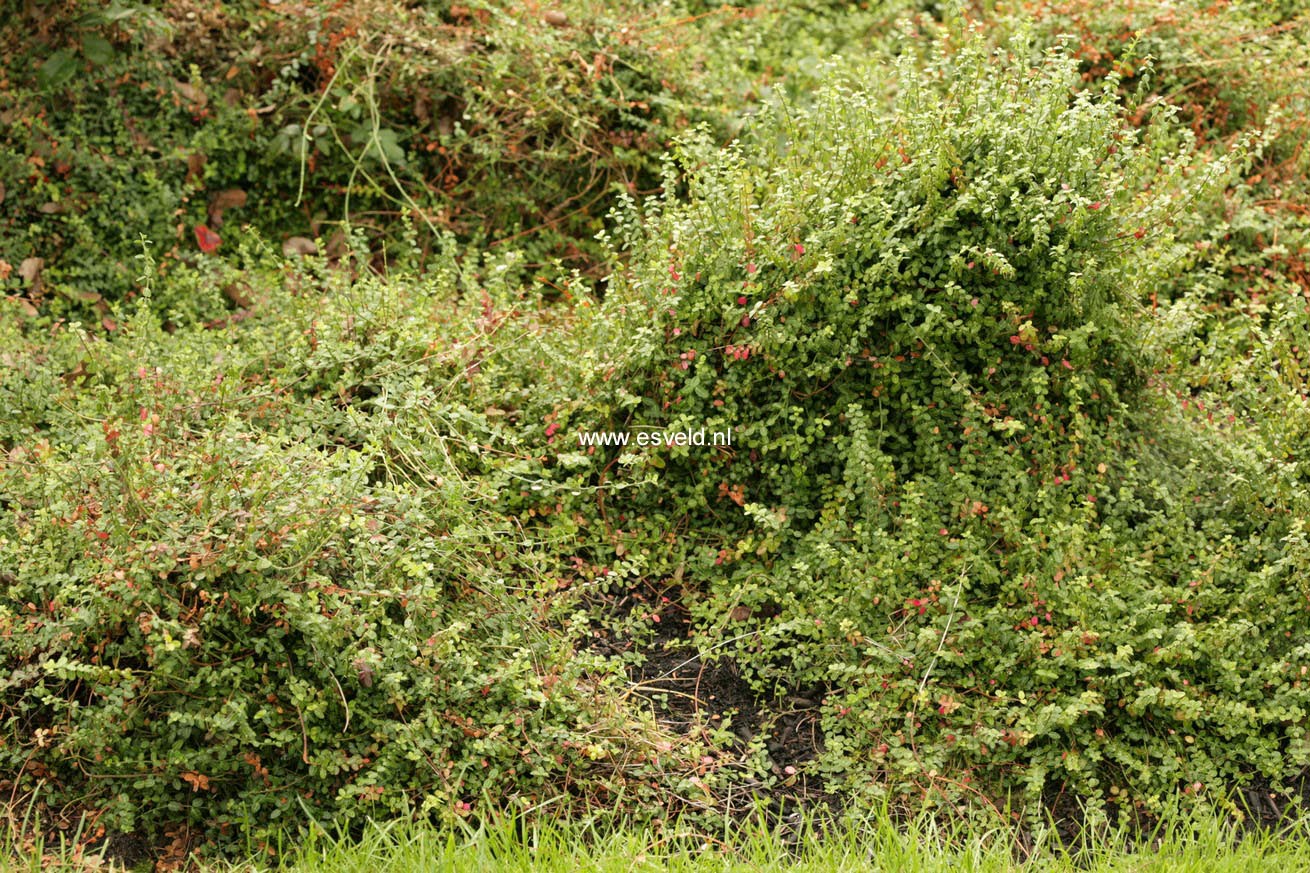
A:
<point x="115" y="12"/>
<point x="389" y="144"/>
<point x="58" y="69"/>
<point x="97" y="49"/>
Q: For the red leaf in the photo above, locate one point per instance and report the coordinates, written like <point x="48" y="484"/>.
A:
<point x="207" y="239"/>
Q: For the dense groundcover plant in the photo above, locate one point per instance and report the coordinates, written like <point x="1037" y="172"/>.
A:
<point x="953" y="500"/>
<point x="248" y="581"/>
<point x="338" y="554"/>
<point x="494" y="121"/>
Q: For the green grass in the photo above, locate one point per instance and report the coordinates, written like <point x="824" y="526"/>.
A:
<point x="878" y="846"/>
<point x="923" y="846"/>
<point x="881" y="845"/>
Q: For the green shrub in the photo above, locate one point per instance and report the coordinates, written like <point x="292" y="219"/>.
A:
<point x="1029" y="537"/>
<point x="752" y="50"/>
<point x="247" y="582"/>
<point x="488" y="120"/>
<point x="953" y="499"/>
<point x="1225" y="66"/>
<point x="1232" y="316"/>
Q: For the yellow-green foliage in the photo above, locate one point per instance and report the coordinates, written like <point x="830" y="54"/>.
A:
<point x="955" y="501"/>
<point x="1009" y="328"/>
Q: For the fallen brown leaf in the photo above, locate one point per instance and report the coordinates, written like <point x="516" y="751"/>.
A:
<point x="298" y="245"/>
<point x="193" y="95"/>
<point x="30" y="270"/>
<point x="231" y="198"/>
<point x="195" y="167"/>
<point x="238" y="293"/>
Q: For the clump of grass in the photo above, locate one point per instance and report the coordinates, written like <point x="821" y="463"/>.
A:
<point x="873" y="841"/>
